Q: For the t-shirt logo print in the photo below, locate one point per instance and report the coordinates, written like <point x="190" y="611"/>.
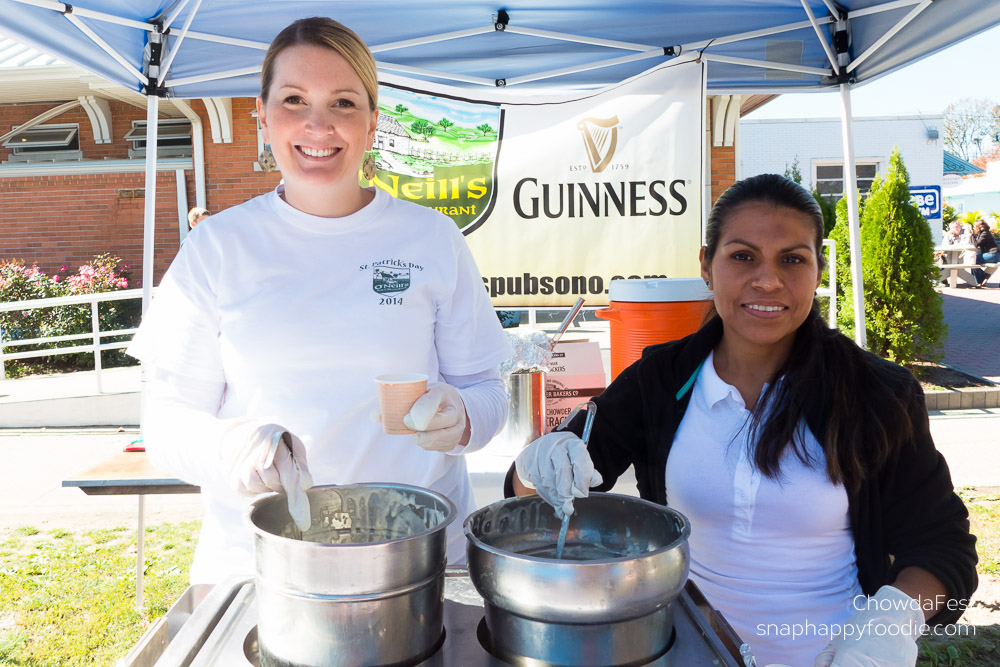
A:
<point x="387" y="279"/>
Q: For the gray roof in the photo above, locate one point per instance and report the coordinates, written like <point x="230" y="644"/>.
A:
<point x="390" y="125"/>
<point x="956" y="165"/>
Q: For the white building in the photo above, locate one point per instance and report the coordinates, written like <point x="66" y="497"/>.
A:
<point x="771" y="146"/>
<point x="391" y="136"/>
<point x="977" y="194"/>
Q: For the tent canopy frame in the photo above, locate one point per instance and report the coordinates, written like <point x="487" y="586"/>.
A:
<point x="500" y="22"/>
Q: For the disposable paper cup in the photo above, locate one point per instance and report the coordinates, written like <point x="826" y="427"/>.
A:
<point x="396" y="395"/>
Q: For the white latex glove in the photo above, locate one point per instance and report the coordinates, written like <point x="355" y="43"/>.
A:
<point x="438" y="417"/>
<point x="558" y="466"/>
<point x="257" y="458"/>
<point x="882" y="634"/>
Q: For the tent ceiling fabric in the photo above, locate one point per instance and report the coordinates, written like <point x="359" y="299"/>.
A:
<point x="701" y="26"/>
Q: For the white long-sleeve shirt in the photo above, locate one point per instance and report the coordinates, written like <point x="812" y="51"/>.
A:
<point x="275" y="315"/>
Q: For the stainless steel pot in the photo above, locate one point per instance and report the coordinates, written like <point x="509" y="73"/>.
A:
<point x="609" y="605"/>
<point x="363" y="586"/>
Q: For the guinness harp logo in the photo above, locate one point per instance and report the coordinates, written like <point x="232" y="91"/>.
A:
<point x="600" y="136"/>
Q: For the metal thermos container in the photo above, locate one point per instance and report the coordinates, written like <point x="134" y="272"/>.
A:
<point x="526" y="416"/>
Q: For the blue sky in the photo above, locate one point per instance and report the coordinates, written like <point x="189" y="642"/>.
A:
<point x="968" y="69"/>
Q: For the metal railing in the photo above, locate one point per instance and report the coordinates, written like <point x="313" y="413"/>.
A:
<point x="831" y="289"/>
<point x="95" y="346"/>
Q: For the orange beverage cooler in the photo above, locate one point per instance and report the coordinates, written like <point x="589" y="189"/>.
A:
<point x="647" y="312"/>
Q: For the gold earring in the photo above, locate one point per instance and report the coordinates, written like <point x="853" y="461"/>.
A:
<point x="266" y="159"/>
<point x="368" y="167"/>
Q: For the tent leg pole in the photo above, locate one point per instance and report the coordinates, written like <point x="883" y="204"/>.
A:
<point x="853" y="218"/>
<point x="148" y="229"/>
<point x="140" y="566"/>
<point x="149" y="215"/>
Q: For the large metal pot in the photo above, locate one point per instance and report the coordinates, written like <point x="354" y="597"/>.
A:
<point x="607" y="602"/>
<point x="363" y="586"/>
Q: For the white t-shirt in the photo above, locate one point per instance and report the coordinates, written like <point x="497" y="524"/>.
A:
<point x="296" y="315"/>
<point x="776" y="557"/>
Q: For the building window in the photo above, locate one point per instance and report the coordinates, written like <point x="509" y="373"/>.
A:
<point x="46" y="143"/>
<point x="828" y="178"/>
<point x="173" y="140"/>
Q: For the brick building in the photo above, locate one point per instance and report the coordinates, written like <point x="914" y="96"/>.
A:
<point x="59" y="213"/>
<point x="73" y="186"/>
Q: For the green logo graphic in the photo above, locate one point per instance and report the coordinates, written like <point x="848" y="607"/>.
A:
<point x="437" y="152"/>
<point x="387" y="279"/>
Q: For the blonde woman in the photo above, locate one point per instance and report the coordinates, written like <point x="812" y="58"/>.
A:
<point x="273" y="321"/>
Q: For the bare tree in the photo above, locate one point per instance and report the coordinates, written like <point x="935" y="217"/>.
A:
<point x="970" y="126"/>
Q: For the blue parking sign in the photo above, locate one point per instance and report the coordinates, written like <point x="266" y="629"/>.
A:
<point x="928" y="199"/>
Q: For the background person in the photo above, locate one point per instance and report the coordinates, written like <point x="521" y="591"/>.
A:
<point x="986" y="250"/>
<point x="952" y="236"/>
<point x="804" y="463"/>
<point x="196" y="215"/>
<point x="271" y="324"/>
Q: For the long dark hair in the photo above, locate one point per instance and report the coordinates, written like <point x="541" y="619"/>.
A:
<point x="823" y="366"/>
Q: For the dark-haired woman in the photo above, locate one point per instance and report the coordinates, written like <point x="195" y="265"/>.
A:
<point x="986" y="250"/>
<point x="804" y="463"/>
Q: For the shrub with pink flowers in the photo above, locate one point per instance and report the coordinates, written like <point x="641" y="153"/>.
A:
<point x="20" y="282"/>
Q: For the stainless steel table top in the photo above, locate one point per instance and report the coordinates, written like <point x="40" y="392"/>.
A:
<point x="221" y="630"/>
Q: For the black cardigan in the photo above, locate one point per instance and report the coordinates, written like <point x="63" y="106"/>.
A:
<point x="985" y="242"/>
<point x="905" y="514"/>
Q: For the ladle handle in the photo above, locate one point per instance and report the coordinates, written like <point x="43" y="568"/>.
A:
<point x="587" y="425"/>
<point x="574" y="311"/>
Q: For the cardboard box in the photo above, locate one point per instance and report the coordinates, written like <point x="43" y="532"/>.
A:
<point x="576" y="376"/>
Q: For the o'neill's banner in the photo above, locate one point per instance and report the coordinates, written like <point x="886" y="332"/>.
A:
<point x="557" y="196"/>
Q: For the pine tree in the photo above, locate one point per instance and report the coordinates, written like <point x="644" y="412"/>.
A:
<point x="902" y="311"/>
<point x="793" y="172"/>
<point x="828" y="206"/>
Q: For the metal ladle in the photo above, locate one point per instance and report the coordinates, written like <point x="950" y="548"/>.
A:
<point x="587" y="426"/>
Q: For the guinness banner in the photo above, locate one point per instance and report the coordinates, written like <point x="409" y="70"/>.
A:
<point x="556" y="197"/>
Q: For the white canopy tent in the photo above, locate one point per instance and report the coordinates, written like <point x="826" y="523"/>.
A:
<point x="214" y="48"/>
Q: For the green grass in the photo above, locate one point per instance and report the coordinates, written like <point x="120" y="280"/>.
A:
<point x="984" y="514"/>
<point x="67" y="598"/>
<point x="982" y="648"/>
<point x="975" y="650"/>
